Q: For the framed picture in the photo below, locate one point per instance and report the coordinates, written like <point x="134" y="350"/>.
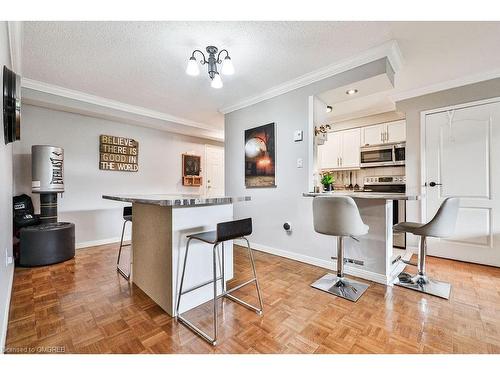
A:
<point x="191" y="170"/>
<point x="260" y="156"/>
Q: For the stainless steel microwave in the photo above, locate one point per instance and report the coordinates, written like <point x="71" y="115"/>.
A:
<point x="390" y="154"/>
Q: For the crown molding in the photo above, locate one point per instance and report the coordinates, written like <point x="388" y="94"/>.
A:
<point x="446" y="85"/>
<point x="15" y="32"/>
<point x="60" y="98"/>
<point x="390" y="50"/>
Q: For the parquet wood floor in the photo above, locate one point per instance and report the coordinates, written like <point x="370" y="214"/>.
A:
<point x="84" y="306"/>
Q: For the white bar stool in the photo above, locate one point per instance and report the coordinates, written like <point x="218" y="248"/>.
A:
<point x="339" y="216"/>
<point x="442" y="225"/>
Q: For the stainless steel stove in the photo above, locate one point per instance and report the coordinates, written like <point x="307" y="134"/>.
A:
<point x="391" y="184"/>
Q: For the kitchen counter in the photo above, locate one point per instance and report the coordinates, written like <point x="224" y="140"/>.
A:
<point x="168" y="200"/>
<point x="160" y="225"/>
<point x="366" y="195"/>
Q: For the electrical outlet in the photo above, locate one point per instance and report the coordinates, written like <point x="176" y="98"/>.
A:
<point x="8" y="259"/>
<point x="300" y="163"/>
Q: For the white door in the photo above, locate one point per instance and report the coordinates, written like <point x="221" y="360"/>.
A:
<point x="214" y="171"/>
<point x="462" y="156"/>
<point x="396" y="131"/>
<point x="330" y="152"/>
<point x="372" y="135"/>
<point x="350" y="148"/>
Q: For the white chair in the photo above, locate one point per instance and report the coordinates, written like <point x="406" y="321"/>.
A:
<point x="442" y="225"/>
<point x="339" y="216"/>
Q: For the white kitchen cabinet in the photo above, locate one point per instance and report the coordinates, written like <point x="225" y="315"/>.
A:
<point x="350" y="156"/>
<point x="383" y="133"/>
<point x="396" y="131"/>
<point x="372" y="135"/>
<point x="329" y="152"/>
<point x="340" y="151"/>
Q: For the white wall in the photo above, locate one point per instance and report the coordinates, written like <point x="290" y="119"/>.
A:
<point x="6" y="272"/>
<point x="270" y="208"/>
<point x="99" y="220"/>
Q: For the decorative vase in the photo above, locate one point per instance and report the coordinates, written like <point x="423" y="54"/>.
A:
<point x="328" y="187"/>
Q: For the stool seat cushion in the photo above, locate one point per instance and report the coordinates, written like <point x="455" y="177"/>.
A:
<point x="209" y="237"/>
<point x="406" y="226"/>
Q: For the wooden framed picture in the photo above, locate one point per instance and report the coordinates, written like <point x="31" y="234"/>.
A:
<point x="191" y="170"/>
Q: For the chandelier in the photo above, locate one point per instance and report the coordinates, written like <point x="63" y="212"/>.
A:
<point x="214" y="59"/>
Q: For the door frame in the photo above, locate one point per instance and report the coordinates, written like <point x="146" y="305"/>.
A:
<point x="423" y="161"/>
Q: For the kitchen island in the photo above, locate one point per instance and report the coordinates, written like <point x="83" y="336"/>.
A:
<point x="374" y="256"/>
<point x="160" y="225"/>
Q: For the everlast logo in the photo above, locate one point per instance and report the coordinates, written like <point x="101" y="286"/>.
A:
<point x="57" y="168"/>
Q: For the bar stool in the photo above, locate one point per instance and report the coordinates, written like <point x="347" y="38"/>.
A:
<point x="127" y="217"/>
<point x="339" y="216"/>
<point x="227" y="231"/>
<point x="442" y="225"/>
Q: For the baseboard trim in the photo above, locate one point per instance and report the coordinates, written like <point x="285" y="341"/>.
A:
<point x="363" y="274"/>
<point x="3" y="340"/>
<point x="105" y="241"/>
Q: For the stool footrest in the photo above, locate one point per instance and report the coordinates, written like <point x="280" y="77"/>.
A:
<point x="240" y="286"/>
<point x="200" y="285"/>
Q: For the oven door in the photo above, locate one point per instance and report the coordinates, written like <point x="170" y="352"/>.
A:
<point x="377" y="156"/>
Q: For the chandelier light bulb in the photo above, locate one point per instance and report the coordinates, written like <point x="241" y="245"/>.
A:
<point x="227" y="66"/>
<point x="192" y="67"/>
<point x="216" y="81"/>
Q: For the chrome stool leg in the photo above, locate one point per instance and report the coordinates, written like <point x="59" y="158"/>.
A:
<point x="126" y="276"/>
<point x="259" y="310"/>
<point x="216" y="258"/>
<point x="180" y="318"/>
<point x="339" y="285"/>
<point x="420" y="282"/>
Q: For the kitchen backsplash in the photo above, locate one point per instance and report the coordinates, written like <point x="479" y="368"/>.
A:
<point x="342" y="177"/>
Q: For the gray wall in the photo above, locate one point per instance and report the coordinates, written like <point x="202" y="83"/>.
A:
<point x="5" y="201"/>
<point x="413" y="107"/>
<point x="271" y="207"/>
<point x="97" y="219"/>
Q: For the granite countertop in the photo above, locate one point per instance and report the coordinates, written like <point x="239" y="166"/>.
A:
<point x="175" y="200"/>
<point x="366" y="195"/>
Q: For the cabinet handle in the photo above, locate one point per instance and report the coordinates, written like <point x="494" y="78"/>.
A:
<point x="341" y="162"/>
<point x="382" y="137"/>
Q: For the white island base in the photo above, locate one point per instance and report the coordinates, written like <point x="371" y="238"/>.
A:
<point x="159" y="244"/>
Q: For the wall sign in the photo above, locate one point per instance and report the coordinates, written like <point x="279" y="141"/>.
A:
<point x="118" y="154"/>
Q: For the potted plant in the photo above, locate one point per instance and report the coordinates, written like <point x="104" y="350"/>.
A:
<point x="327" y="181"/>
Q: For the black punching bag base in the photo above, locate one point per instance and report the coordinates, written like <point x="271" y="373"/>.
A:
<point x="46" y="244"/>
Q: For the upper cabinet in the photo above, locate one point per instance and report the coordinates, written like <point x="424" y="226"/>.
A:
<point x="396" y="131"/>
<point x="384" y="133"/>
<point x="341" y="150"/>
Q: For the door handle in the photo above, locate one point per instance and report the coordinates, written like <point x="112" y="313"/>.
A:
<point x="432" y="184"/>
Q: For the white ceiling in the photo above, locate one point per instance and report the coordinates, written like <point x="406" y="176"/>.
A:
<point x="143" y="63"/>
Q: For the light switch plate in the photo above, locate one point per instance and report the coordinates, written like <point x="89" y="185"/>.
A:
<point x="298" y="135"/>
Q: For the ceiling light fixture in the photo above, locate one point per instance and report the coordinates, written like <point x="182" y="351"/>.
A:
<point x="227" y="68"/>
<point x="351" y="91"/>
<point x="329" y="108"/>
